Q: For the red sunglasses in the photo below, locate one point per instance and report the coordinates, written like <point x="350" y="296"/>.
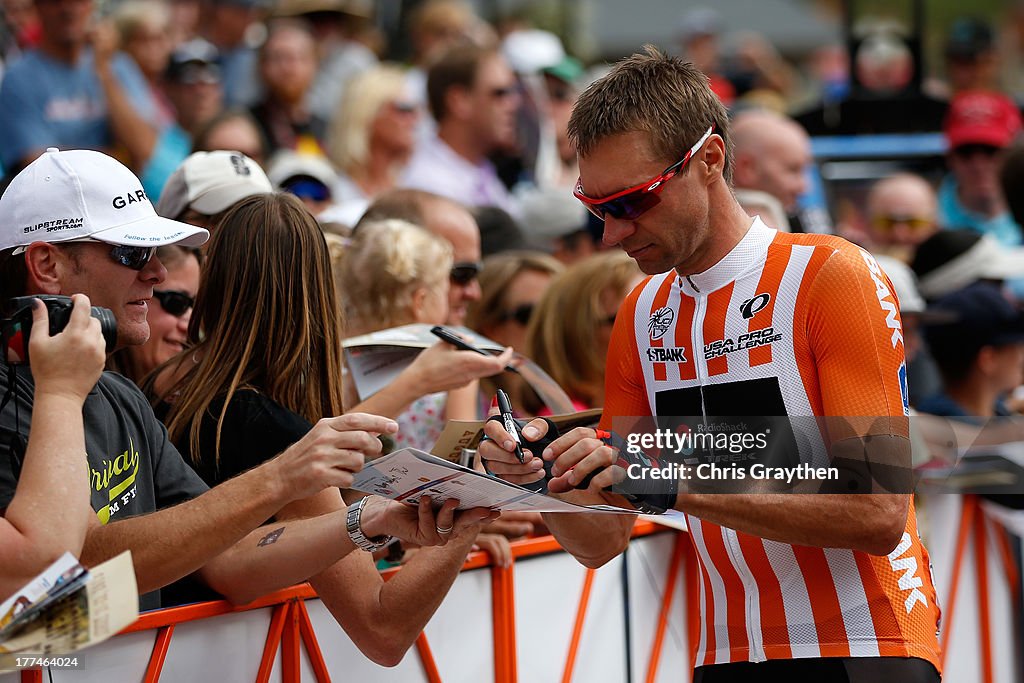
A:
<point x="630" y="203"/>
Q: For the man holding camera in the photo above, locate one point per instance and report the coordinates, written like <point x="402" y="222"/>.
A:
<point x="79" y="221"/>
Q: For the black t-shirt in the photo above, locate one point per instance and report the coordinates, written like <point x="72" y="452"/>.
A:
<point x="133" y="467"/>
<point x="255" y="429"/>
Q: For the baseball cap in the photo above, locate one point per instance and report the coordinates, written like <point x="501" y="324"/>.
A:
<point x="74" y="194"/>
<point x="210" y="182"/>
<point x="192" y="61"/>
<point x="969" y="37"/>
<point x="982" y="314"/>
<point x="289" y="164"/>
<point x="952" y="259"/>
<point x="568" y="69"/>
<point x="981" y="118"/>
<point x="530" y="50"/>
<point x="548" y="214"/>
<point x="699" y="21"/>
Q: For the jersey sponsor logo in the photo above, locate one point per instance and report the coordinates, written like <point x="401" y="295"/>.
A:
<point x="668" y="354"/>
<point x="909" y="581"/>
<point x="660" y="321"/>
<point x="747" y="340"/>
<point x="752" y="307"/>
<point x="886" y="299"/>
<point x="901" y="375"/>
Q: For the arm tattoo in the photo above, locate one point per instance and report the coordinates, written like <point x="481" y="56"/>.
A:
<point x="271" y="538"/>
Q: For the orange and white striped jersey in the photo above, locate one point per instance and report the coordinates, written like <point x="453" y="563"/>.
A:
<point x="794" y="325"/>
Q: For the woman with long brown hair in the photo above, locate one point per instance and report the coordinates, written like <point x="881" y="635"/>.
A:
<point x="265" y="362"/>
<point x="570" y="330"/>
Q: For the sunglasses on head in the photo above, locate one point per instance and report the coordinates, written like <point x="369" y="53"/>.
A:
<point x="174" y="302"/>
<point x="631" y="203"/>
<point x="464" y="273"/>
<point x="132" y="257"/>
<point x="521" y="314"/>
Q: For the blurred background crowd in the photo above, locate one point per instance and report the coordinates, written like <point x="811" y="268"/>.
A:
<point x="428" y="139"/>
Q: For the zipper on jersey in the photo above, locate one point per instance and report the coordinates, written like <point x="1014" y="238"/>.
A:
<point x="697" y="334"/>
<point x="755" y="637"/>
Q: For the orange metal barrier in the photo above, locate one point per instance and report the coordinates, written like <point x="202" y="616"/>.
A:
<point x="291" y="628"/>
<point x="666" y="603"/>
<point x="974" y="526"/>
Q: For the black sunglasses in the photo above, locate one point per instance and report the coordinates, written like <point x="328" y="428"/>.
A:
<point x="175" y="303"/>
<point x="464" y="273"/>
<point x="135" y="258"/>
<point x="521" y="314"/>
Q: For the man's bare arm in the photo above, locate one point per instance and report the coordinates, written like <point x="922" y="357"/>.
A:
<point x="383" y="618"/>
<point x="33" y="530"/>
<point x="872" y="523"/>
<point x="289" y="551"/>
<point x="171" y="543"/>
<point x="129" y="128"/>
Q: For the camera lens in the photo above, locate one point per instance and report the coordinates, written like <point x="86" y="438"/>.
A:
<point x="108" y="325"/>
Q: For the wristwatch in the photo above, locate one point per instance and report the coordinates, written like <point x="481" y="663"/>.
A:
<point x="355" y="530"/>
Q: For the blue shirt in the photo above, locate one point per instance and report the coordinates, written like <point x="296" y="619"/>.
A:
<point x="943" y="405"/>
<point x="954" y="215"/>
<point x="240" y="76"/>
<point x="172" y="147"/>
<point x="45" y="102"/>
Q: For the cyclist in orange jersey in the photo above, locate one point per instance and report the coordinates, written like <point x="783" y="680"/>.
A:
<point x="737" y="319"/>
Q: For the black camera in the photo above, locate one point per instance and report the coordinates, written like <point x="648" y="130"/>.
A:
<point x="15" y="328"/>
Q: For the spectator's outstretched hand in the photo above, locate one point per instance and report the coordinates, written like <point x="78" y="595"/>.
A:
<point x="421" y="525"/>
<point x="104" y="40"/>
<point x="442" y="367"/>
<point x="515" y="524"/>
<point x="331" y="453"/>
<point x="497" y="546"/>
<point x="68" y="363"/>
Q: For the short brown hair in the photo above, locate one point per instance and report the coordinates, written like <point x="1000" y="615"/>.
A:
<point x="456" y="69"/>
<point x="666" y="97"/>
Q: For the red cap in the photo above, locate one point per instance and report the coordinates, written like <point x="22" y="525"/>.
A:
<point x="981" y="118"/>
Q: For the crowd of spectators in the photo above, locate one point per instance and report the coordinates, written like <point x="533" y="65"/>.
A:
<point x="346" y="194"/>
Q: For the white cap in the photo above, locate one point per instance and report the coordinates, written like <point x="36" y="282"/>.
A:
<point x="530" y="50"/>
<point x="76" y="194"/>
<point x="983" y="259"/>
<point x="210" y="182"/>
<point x="288" y="164"/>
